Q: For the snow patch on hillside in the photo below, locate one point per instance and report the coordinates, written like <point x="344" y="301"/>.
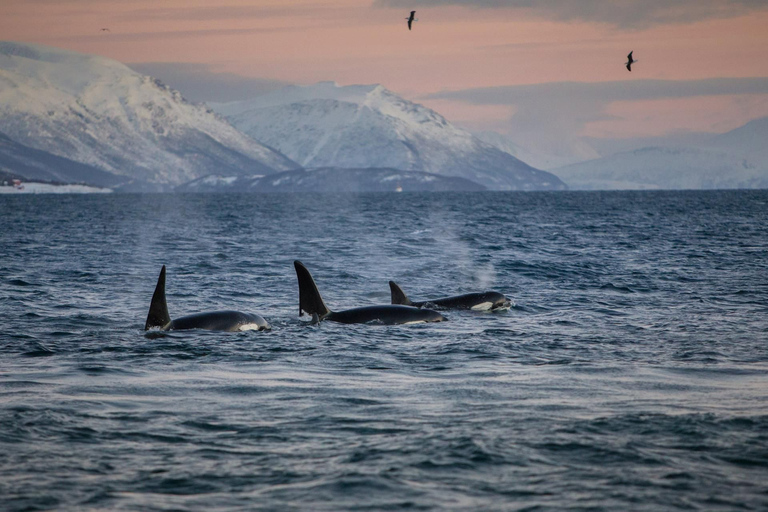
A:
<point x="47" y="188"/>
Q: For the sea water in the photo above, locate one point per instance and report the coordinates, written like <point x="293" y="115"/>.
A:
<point x="630" y="374"/>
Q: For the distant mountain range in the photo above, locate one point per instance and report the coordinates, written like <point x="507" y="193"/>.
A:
<point x="67" y="117"/>
<point x="115" y="122"/>
<point x="367" y="126"/>
<point x="76" y="118"/>
<point x="736" y="159"/>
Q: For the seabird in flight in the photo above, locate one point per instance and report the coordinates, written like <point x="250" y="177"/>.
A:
<point x="411" y="19"/>
<point x="105" y="30"/>
<point x="630" y="61"/>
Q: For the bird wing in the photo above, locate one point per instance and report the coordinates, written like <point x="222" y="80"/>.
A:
<point x="409" y="24"/>
<point x="630" y="55"/>
<point x="629" y="66"/>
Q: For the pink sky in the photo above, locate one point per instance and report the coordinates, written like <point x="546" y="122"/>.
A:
<point x="450" y="48"/>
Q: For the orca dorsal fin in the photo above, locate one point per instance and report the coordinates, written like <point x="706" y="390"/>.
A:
<point x="158" y="310"/>
<point x="310" y="301"/>
<point x="398" y="295"/>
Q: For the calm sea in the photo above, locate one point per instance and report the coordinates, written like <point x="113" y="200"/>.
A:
<point x="631" y="373"/>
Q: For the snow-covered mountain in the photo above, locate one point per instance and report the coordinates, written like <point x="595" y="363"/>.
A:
<point x="749" y="141"/>
<point x="537" y="159"/>
<point x="736" y="159"/>
<point x="362" y="126"/>
<point x="665" y="168"/>
<point x="98" y="112"/>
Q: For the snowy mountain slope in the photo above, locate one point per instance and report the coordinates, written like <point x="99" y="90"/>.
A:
<point x="749" y="141"/>
<point x="325" y="125"/>
<point x="539" y="160"/>
<point x="331" y="179"/>
<point x="735" y="159"/>
<point x="24" y="162"/>
<point x="665" y="168"/>
<point x="99" y="112"/>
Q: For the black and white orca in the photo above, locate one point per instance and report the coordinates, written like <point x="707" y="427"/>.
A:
<point x="486" y="301"/>
<point x="158" y="317"/>
<point x="311" y="303"/>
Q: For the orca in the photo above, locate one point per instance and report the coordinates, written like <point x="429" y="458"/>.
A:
<point x="311" y="303"/>
<point x="158" y="317"/>
<point x="486" y="301"/>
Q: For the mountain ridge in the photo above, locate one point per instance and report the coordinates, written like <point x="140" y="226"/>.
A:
<point x="99" y="112"/>
<point x="359" y="126"/>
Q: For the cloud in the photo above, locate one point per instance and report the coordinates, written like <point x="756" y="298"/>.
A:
<point x="622" y="13"/>
<point x="216" y="13"/>
<point x="607" y="92"/>
<point x="114" y="36"/>
<point x="198" y="83"/>
<point x="210" y="13"/>
<point x="550" y="117"/>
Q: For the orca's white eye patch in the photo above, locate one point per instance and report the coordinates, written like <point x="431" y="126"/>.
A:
<point x="251" y="327"/>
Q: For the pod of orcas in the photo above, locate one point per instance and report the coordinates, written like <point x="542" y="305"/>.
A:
<point x="400" y="311"/>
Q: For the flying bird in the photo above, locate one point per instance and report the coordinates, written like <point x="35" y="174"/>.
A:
<point x="105" y="30"/>
<point x="411" y="19"/>
<point x="630" y="61"/>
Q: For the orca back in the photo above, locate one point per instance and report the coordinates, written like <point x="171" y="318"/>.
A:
<point x="220" y="321"/>
<point x="311" y="303"/>
<point x="390" y="314"/>
<point x="158" y="317"/>
<point x="466" y="301"/>
<point x="485" y="301"/>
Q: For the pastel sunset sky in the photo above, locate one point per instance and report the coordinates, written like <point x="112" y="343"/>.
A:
<point x="506" y="65"/>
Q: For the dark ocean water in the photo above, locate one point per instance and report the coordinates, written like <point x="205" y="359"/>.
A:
<point x="631" y="374"/>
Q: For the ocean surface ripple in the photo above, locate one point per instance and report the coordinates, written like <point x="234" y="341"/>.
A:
<point x="630" y="374"/>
